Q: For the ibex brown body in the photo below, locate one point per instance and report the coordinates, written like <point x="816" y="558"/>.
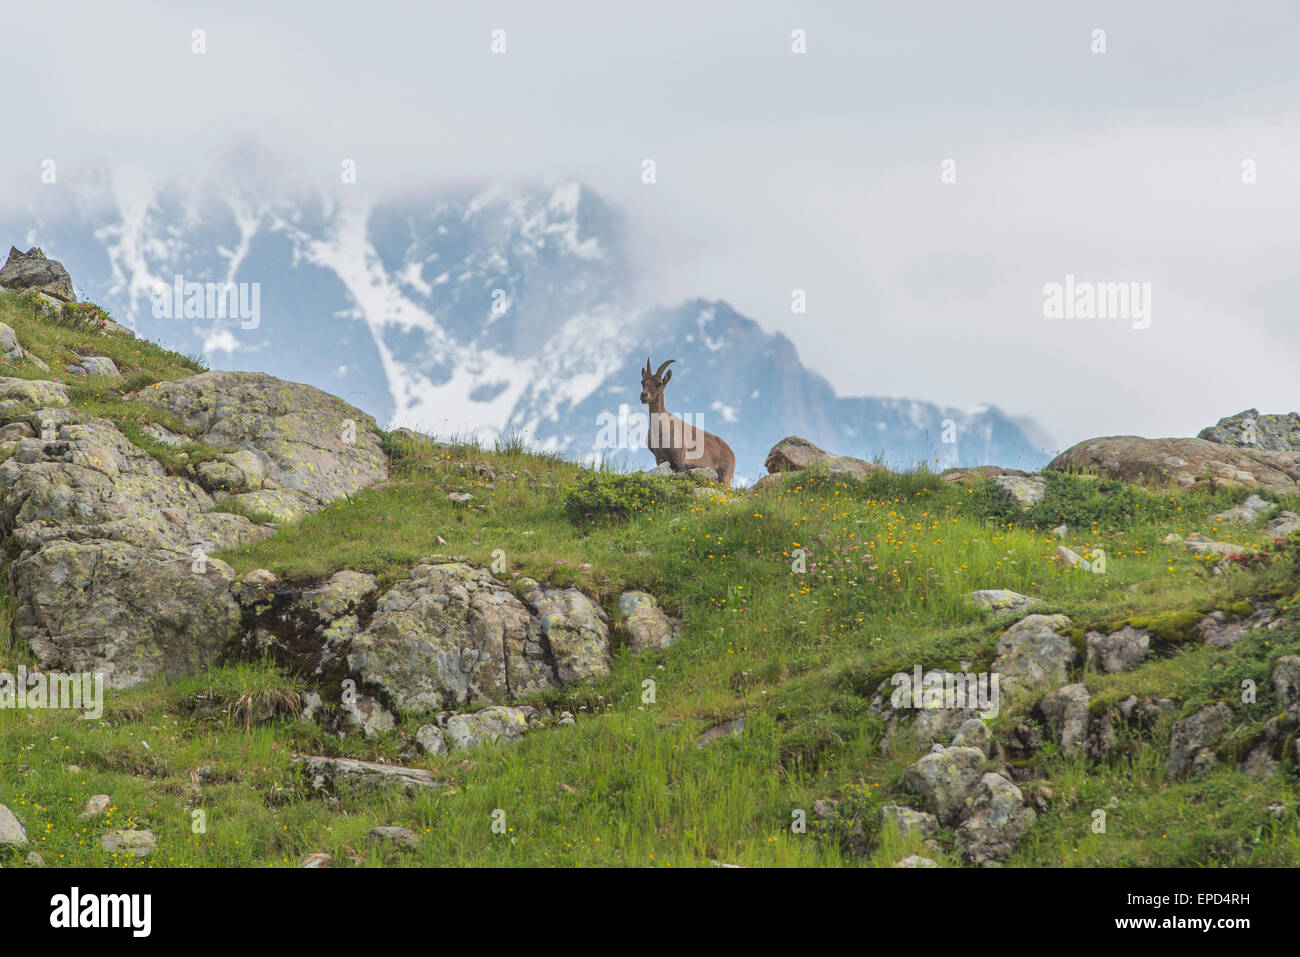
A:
<point x="681" y="445"/>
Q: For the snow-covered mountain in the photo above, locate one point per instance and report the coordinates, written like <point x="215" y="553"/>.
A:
<point x="474" y="311"/>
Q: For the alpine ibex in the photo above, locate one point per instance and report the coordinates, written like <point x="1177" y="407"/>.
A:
<point x="681" y="445"/>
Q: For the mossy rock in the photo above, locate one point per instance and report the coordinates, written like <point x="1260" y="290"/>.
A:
<point x="1242" y="609"/>
<point x="1165" y="627"/>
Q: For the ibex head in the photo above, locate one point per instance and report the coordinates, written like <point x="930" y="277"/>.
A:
<point x="652" y="383"/>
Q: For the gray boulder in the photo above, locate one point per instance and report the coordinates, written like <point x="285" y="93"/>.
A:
<point x="1192" y="735"/>
<point x="449" y="635"/>
<point x="497" y="723"/>
<point x="1118" y="651"/>
<point x="32" y="270"/>
<point x="1023" y="490"/>
<point x="906" y="820"/>
<point x="944" y="780"/>
<point x="1066" y="713"/>
<point x="995" y="822"/>
<point x="640" y="624"/>
<point x="575" y="627"/>
<point x="12" y="832"/>
<point x="1286" y="679"/>
<point x="131" y="842"/>
<point x="1003" y="601"/>
<point x="1031" y="653"/>
<point x="305" y="440"/>
<point x="339" y="776"/>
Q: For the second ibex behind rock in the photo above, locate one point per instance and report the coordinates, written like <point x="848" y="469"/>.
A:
<point x="682" y="445"/>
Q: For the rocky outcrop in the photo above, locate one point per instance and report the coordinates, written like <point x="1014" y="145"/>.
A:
<point x="32" y="270"/>
<point x="308" y="629"/>
<point x="16" y="392"/>
<point x="1003" y="601"/>
<point x="575" y="629"/>
<point x="944" y="779"/>
<point x="1033" y="653"/>
<point x="1192" y="736"/>
<point x="277" y="435"/>
<point x="448" y="636"/>
<point x="793" y="454"/>
<point x="497" y="723"/>
<point x="342" y="776"/>
<point x="1066" y="713"/>
<point x="640" y="624"/>
<point x="996" y="820"/>
<point x="111" y="573"/>
<point x="1118" y="651"/>
<point x="1249" y="429"/>
<point x="1021" y="490"/>
<point x="1185" y="462"/>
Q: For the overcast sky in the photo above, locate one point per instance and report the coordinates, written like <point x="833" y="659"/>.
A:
<point x="775" y="170"/>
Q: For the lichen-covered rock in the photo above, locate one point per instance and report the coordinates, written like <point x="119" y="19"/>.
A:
<point x="305" y="440"/>
<point x="32" y="270"/>
<point x="282" y="506"/>
<point x="343" y="776"/>
<point x="91" y="483"/>
<point x="974" y="733"/>
<point x="431" y="739"/>
<point x="112" y="572"/>
<point x="1031" y="653"/>
<point x="131" y="842"/>
<point x="127" y="612"/>
<point x="906" y="820"/>
<point x="996" y="820"/>
<point x="1118" y="651"/>
<point x="1066" y="713"/>
<point x="498" y="723"/>
<point x="1003" y="601"/>
<point x="575" y="627"/>
<point x="1249" y="429"/>
<point x="640" y="624"/>
<point x="307" y="629"/>
<point x="1286" y="679"/>
<point x="15" y="392"/>
<point x="1194" y="734"/>
<point x="94" y="365"/>
<point x="448" y="636"/>
<point x="1022" y="490"/>
<point x="944" y="780"/>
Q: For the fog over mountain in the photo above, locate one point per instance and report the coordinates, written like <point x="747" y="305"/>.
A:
<point x="476" y="310"/>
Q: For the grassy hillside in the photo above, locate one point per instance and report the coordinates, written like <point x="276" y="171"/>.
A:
<point x="890" y="563"/>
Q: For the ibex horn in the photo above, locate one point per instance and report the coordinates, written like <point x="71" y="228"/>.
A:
<point x="663" y="367"/>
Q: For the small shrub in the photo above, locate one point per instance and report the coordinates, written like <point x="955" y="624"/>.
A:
<point x="610" y="497"/>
